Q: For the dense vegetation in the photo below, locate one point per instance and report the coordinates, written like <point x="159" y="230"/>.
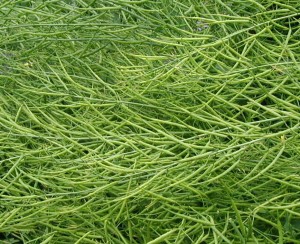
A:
<point x="149" y="121"/>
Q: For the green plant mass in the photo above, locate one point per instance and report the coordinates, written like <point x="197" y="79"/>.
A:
<point x="144" y="121"/>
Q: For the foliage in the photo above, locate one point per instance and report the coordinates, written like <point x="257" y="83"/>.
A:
<point x="149" y="121"/>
